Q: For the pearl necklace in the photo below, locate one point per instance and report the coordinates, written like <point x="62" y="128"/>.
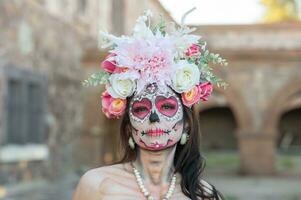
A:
<point x="146" y="193"/>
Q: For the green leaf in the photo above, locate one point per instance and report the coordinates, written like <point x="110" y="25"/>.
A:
<point x="161" y="26"/>
<point x="206" y="53"/>
<point x="98" y="78"/>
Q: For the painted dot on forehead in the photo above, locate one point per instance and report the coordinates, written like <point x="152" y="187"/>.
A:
<point x="151" y="88"/>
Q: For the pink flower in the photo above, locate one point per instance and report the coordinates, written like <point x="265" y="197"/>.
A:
<point x="192" y="50"/>
<point x="199" y="92"/>
<point x="112" y="107"/>
<point x="205" y="90"/>
<point x="191" y="97"/>
<point x="151" y="59"/>
<point x="108" y="64"/>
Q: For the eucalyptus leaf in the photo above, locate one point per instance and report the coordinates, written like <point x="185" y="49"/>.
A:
<point x="98" y="78"/>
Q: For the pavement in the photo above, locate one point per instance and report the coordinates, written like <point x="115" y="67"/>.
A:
<point x="233" y="187"/>
<point x="258" y="188"/>
<point x="43" y="189"/>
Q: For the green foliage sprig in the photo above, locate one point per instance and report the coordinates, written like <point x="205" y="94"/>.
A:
<point x="203" y="62"/>
<point x="98" y="78"/>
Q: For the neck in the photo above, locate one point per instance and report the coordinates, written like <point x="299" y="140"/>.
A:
<point x="156" y="167"/>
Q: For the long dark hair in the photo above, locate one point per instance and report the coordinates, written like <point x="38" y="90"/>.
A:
<point x="188" y="160"/>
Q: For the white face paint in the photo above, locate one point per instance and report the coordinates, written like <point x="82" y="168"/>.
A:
<point x="156" y="118"/>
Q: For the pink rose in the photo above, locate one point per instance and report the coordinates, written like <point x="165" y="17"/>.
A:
<point x="205" y="90"/>
<point x="197" y="93"/>
<point x="192" y="50"/>
<point x="108" y="64"/>
<point x="112" y="107"/>
<point x="191" y="97"/>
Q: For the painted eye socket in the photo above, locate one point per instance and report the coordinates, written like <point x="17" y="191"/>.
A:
<point x="141" y="108"/>
<point x="167" y="106"/>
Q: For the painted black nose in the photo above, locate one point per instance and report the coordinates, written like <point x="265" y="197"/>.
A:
<point x="154" y="117"/>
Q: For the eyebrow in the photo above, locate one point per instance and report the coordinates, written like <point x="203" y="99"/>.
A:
<point x="141" y="97"/>
<point x="174" y="99"/>
<point x="140" y="103"/>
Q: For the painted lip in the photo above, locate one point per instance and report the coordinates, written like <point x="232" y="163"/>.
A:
<point x="156" y="145"/>
<point x="155" y="132"/>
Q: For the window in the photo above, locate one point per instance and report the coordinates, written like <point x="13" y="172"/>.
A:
<point x="81" y="6"/>
<point x="25" y="107"/>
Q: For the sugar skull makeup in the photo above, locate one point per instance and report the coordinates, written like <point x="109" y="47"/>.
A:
<point x="156" y="118"/>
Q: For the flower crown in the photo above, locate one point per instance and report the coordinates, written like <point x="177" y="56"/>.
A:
<point x="163" y="54"/>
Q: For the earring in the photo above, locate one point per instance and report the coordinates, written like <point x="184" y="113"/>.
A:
<point x="184" y="138"/>
<point x="131" y="143"/>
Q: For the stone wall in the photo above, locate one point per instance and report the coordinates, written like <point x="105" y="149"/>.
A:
<point x="264" y="81"/>
<point x="33" y="41"/>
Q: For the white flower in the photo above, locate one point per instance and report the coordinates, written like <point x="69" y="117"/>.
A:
<point x="121" y="87"/>
<point x="183" y="42"/>
<point x="106" y="40"/>
<point x="148" y="13"/>
<point x="186" y="76"/>
<point x="141" y="30"/>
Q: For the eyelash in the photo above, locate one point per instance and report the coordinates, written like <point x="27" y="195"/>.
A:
<point x="168" y="106"/>
<point x="139" y="109"/>
<point x="164" y="106"/>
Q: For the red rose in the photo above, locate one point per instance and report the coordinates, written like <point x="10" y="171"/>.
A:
<point x="109" y="64"/>
<point x="205" y="90"/>
<point x="192" y="50"/>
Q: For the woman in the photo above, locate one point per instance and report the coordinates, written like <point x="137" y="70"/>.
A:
<point x="154" y="83"/>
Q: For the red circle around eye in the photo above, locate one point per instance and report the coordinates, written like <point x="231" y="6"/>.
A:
<point x="141" y="108"/>
<point x="167" y="106"/>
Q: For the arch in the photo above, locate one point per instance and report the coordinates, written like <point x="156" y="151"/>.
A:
<point x="289" y="125"/>
<point x="234" y="101"/>
<point x="278" y="105"/>
<point x="221" y="137"/>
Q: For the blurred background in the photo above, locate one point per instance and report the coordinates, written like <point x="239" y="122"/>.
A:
<point x="52" y="129"/>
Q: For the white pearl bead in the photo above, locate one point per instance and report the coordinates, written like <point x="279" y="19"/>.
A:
<point x="145" y="191"/>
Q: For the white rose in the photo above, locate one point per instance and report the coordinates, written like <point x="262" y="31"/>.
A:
<point x="186" y="76"/>
<point x="120" y="87"/>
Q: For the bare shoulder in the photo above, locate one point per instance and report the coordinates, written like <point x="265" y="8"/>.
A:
<point x="90" y="183"/>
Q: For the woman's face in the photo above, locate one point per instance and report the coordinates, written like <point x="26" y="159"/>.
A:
<point x="156" y="118"/>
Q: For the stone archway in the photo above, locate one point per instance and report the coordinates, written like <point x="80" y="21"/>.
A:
<point x="288" y="142"/>
<point x="233" y="101"/>
<point x="218" y="127"/>
<point x="289" y="128"/>
<point x="279" y="116"/>
<point x="230" y="98"/>
<point x="219" y="143"/>
<point x="282" y="101"/>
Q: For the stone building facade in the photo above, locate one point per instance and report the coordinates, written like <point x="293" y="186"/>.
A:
<point x="40" y="99"/>
<point x="49" y="46"/>
<point x="264" y="77"/>
<point x="49" y="124"/>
